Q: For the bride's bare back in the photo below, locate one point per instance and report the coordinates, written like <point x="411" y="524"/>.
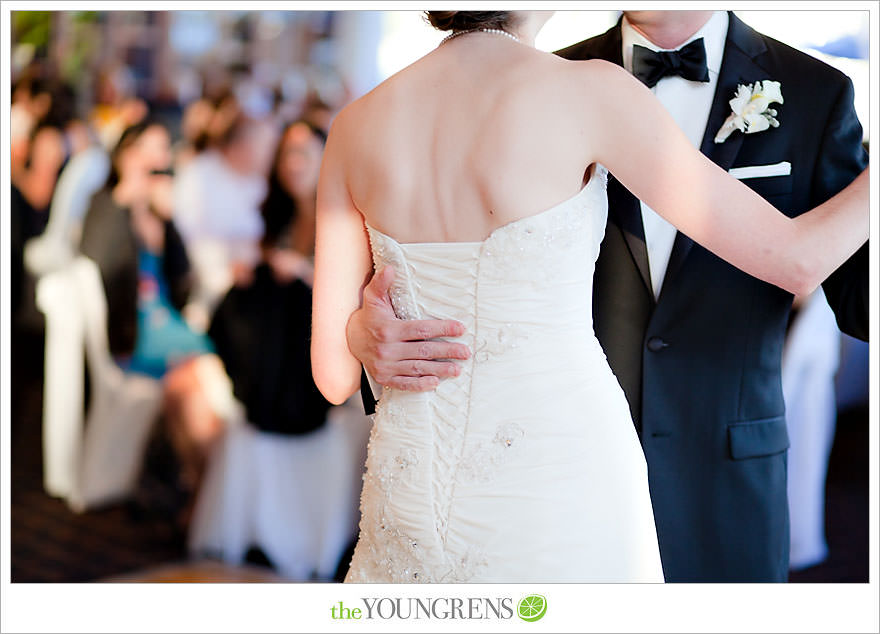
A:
<point x="470" y="137"/>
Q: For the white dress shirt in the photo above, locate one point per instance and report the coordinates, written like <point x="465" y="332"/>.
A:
<point x="689" y="103"/>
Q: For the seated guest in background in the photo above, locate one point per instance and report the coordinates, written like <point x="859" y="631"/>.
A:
<point x="116" y="105"/>
<point x="217" y="205"/>
<point x="283" y="487"/>
<point x="194" y="132"/>
<point x="45" y="134"/>
<point x="128" y="232"/>
<point x="142" y="259"/>
<point x="29" y="105"/>
<point x="289" y="209"/>
<point x="261" y="329"/>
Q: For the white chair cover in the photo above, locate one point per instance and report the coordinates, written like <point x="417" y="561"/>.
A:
<point x="58" y="300"/>
<point x="99" y="463"/>
<point x="296" y="497"/>
<point x="83" y="175"/>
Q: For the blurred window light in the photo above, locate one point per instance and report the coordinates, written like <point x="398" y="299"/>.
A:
<point x="810" y="29"/>
<point x="838" y="38"/>
<point x="569" y="27"/>
<point x="270" y="24"/>
<point x="22" y="54"/>
<point x="193" y="33"/>
<point x="406" y="36"/>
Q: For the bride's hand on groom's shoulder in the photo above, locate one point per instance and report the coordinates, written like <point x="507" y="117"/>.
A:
<point x="399" y="353"/>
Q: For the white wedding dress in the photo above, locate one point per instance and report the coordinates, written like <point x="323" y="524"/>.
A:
<point x="527" y="466"/>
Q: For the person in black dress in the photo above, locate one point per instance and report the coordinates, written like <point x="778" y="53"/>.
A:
<point x="262" y="329"/>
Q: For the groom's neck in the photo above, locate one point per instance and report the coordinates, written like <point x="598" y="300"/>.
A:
<point x="667" y="29"/>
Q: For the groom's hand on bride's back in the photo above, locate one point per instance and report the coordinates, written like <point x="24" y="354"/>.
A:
<point x="399" y="353"/>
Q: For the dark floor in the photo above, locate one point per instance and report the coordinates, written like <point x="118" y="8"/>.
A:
<point x="52" y="544"/>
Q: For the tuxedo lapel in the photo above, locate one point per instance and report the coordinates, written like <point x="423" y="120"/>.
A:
<point x="625" y="211"/>
<point x="607" y="46"/>
<point x="610" y="48"/>
<point x="738" y="66"/>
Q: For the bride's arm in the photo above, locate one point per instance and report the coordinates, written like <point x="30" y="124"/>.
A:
<point x="343" y="266"/>
<point x="642" y="146"/>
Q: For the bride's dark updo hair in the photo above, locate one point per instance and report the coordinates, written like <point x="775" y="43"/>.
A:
<point x="467" y="20"/>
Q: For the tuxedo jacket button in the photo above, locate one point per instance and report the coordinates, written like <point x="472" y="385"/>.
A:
<point x="656" y="344"/>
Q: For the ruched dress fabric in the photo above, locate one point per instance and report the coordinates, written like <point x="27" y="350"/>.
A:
<point x="526" y="467"/>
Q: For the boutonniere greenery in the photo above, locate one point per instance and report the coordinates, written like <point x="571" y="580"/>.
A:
<point x="751" y="109"/>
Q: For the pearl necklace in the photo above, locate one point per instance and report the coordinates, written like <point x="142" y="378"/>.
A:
<point x="498" y="31"/>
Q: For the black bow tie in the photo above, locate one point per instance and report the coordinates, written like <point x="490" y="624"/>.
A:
<point x="689" y="62"/>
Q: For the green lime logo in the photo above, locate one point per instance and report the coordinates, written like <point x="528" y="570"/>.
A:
<point x="532" y="607"/>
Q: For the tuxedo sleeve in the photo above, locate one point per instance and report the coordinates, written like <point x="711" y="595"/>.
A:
<point x="841" y="159"/>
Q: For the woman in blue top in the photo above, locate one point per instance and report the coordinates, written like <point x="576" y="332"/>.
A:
<point x="129" y="233"/>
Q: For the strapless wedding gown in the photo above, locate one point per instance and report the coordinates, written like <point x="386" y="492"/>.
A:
<point x="527" y="466"/>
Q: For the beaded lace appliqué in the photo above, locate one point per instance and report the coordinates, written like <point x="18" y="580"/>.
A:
<point x="537" y="239"/>
<point x="391" y="554"/>
<point x="390" y="413"/>
<point x="492" y="342"/>
<point x="483" y="460"/>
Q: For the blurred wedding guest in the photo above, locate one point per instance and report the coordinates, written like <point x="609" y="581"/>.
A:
<point x="261" y="329"/>
<point x="144" y="266"/>
<point x="194" y="131"/>
<point x="266" y="493"/>
<point x="196" y="125"/>
<point x="289" y="208"/>
<point x="319" y="112"/>
<point x="116" y="106"/>
<point x="44" y="135"/>
<point x="217" y="205"/>
<point x="29" y="105"/>
<point x="125" y="233"/>
<point x="810" y="360"/>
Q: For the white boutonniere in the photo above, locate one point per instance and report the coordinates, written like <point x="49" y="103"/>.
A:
<point x="751" y="109"/>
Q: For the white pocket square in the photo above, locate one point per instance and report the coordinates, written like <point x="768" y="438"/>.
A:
<point x="757" y="171"/>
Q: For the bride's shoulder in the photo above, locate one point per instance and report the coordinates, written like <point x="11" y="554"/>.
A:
<point x="376" y="99"/>
<point x="349" y="126"/>
<point x="593" y="70"/>
<point x="598" y="80"/>
<point x="363" y="106"/>
<point x="578" y="73"/>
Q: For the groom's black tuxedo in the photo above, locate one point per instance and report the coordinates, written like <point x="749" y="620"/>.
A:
<point x="701" y="366"/>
